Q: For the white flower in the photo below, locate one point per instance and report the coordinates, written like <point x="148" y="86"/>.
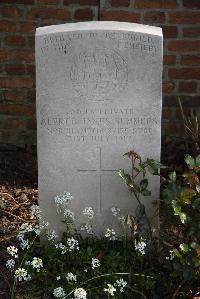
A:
<point x="95" y="263"/>
<point x="88" y="212"/>
<point x="20" y="236"/>
<point x="24" y="244"/>
<point x="72" y="244"/>
<point x="122" y="219"/>
<point x="121" y="284"/>
<point x="62" y="247"/>
<point x="25" y="228"/>
<point x="12" y="250"/>
<point x="110" y="289"/>
<point x="140" y="247"/>
<point x="37" y="263"/>
<point x="22" y="274"/>
<point x="59" y="293"/>
<point x="35" y="212"/>
<point x="80" y="294"/>
<point x="58" y="278"/>
<point x="171" y="255"/>
<point x="115" y="211"/>
<point x="70" y="277"/>
<point x="52" y="236"/>
<point x="63" y="200"/>
<point x="10" y="264"/>
<point x="87" y="228"/>
<point x="43" y="224"/>
<point x="110" y="233"/>
<point x="37" y="230"/>
<point x="69" y="214"/>
<point x="27" y="263"/>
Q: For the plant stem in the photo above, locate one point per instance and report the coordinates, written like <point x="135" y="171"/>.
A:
<point x="178" y="289"/>
<point x="138" y="292"/>
<point x="14" y="284"/>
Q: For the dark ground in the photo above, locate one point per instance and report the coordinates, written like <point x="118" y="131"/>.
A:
<point x="18" y="191"/>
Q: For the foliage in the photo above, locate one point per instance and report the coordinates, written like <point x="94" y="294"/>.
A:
<point x="182" y="194"/>
<point x="77" y="267"/>
<point x="138" y="184"/>
<point x="129" y="265"/>
<point x="191" y="128"/>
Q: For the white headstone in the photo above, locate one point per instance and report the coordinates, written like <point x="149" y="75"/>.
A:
<point x="98" y="96"/>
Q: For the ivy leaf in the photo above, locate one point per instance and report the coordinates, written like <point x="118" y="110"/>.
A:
<point x="190" y="161"/>
<point x="186" y="195"/>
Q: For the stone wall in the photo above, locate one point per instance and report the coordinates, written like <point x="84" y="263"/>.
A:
<point x="180" y="20"/>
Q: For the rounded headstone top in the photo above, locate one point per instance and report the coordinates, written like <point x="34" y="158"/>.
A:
<point x="99" y="25"/>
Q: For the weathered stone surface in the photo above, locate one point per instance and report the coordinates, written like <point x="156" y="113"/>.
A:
<point x="98" y="96"/>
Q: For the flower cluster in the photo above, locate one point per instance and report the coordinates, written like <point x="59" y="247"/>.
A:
<point x="72" y="244"/>
<point x="35" y="212"/>
<point x="24" y="229"/>
<point x="22" y="274"/>
<point x="87" y="227"/>
<point x="110" y="234"/>
<point x="37" y="263"/>
<point x="121" y="284"/>
<point x="59" y="293"/>
<point x="52" y="236"/>
<point x="62" y="247"/>
<point x="68" y="214"/>
<point x="80" y="293"/>
<point x="140" y="247"/>
<point x="88" y="212"/>
<point x="115" y="211"/>
<point x="95" y="263"/>
<point x="71" y="277"/>
<point x="12" y="250"/>
<point x="63" y="200"/>
<point x="10" y="264"/>
<point x="110" y="289"/>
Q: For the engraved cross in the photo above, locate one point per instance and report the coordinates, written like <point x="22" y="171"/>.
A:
<point x="98" y="172"/>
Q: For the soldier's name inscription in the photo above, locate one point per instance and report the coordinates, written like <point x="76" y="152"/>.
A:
<point x="97" y="125"/>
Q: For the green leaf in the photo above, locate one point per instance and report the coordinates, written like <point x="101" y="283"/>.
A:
<point x="184" y="247"/>
<point x="153" y="166"/>
<point x="186" y="195"/>
<point x="183" y="217"/>
<point x="143" y="184"/>
<point x="190" y="161"/>
<point x="177" y="253"/>
<point x="130" y="221"/>
<point x="126" y="177"/>
<point x="198" y="160"/>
